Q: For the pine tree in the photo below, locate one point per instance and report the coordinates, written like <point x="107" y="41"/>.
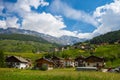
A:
<point x="2" y="60"/>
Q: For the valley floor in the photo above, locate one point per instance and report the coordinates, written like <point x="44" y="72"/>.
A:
<point x="56" y="74"/>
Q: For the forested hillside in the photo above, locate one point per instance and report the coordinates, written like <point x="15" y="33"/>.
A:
<point x="22" y="37"/>
<point x="24" y="43"/>
<point x="110" y="37"/>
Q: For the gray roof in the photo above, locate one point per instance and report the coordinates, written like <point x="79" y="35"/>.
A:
<point x="21" y="59"/>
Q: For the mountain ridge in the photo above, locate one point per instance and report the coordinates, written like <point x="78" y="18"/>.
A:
<point x="63" y="40"/>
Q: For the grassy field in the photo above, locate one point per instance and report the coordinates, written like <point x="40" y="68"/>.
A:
<point x="56" y="74"/>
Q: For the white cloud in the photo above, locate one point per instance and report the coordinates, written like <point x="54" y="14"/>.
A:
<point x="41" y="22"/>
<point x="60" y="7"/>
<point x="22" y="7"/>
<point x="108" y="16"/>
<point x="9" y="22"/>
<point x="45" y="23"/>
<point x="2" y="24"/>
<point x="12" y="22"/>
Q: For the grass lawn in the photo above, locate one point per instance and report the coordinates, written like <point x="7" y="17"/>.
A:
<point x="56" y="74"/>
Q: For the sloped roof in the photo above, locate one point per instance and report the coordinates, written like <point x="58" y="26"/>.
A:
<point x="45" y="60"/>
<point x="55" y="57"/>
<point x="94" y="59"/>
<point x="18" y="58"/>
<point x="69" y="59"/>
<point x="80" y="58"/>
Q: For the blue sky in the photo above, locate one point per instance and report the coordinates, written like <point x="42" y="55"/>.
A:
<point x="79" y="18"/>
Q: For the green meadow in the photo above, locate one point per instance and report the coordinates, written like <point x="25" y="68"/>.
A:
<point x="56" y="74"/>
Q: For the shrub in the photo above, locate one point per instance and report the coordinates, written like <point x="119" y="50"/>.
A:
<point x="44" y="67"/>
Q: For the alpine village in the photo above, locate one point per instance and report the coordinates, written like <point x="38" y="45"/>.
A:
<point x="26" y="52"/>
<point x="59" y="39"/>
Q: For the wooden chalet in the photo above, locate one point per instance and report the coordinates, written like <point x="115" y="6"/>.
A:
<point x="43" y="61"/>
<point x="79" y="61"/>
<point x="94" y="61"/>
<point x="17" y="62"/>
<point x="58" y="62"/>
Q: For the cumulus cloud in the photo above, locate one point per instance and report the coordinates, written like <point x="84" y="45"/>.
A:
<point x="2" y="24"/>
<point x="41" y="22"/>
<point x="105" y="18"/>
<point x="12" y="22"/>
<point x="108" y="16"/>
<point x="45" y="23"/>
<point x="60" y="7"/>
<point x="9" y="22"/>
<point x="22" y="7"/>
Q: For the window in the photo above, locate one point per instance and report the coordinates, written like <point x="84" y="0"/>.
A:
<point x="88" y="64"/>
<point x="17" y="63"/>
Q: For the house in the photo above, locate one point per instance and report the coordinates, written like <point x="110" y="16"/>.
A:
<point x="43" y="61"/>
<point x="68" y="62"/>
<point x="17" y="62"/>
<point x="58" y="62"/>
<point x="94" y="61"/>
<point x="57" y="49"/>
<point x="79" y="61"/>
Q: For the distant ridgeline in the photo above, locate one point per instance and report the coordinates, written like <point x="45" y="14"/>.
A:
<point x="110" y="37"/>
<point x="23" y="43"/>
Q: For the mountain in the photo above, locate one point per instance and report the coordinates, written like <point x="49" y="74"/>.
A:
<point x="110" y="37"/>
<point x="71" y="40"/>
<point x="63" y="40"/>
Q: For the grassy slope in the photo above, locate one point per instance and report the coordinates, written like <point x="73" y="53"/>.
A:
<point x="111" y="53"/>
<point x="59" y="74"/>
<point x="23" y="46"/>
<point x="24" y="43"/>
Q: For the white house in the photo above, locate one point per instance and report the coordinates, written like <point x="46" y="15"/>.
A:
<point x="68" y="62"/>
<point x="17" y="62"/>
<point x="94" y="61"/>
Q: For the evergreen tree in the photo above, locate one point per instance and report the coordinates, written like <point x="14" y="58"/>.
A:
<point x="2" y="60"/>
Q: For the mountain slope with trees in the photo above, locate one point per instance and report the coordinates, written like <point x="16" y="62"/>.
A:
<point x="110" y="37"/>
<point x="24" y="43"/>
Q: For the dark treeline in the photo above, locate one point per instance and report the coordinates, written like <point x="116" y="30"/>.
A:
<point x="110" y="37"/>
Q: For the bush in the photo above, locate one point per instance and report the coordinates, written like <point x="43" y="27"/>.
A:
<point x="44" y="67"/>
